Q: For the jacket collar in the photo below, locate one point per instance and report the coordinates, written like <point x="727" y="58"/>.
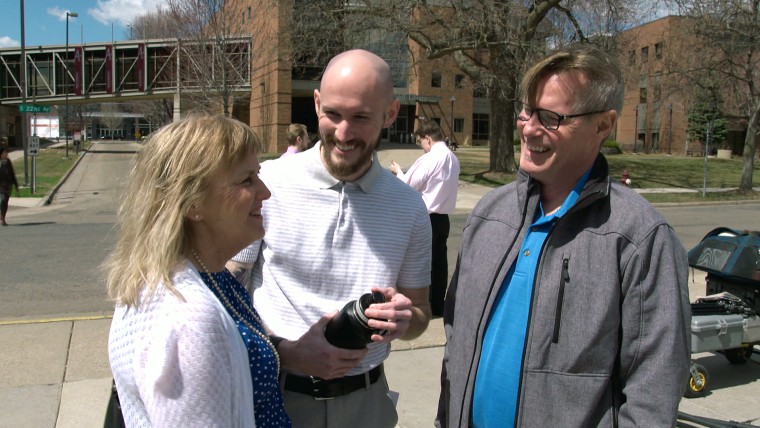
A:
<point x="597" y="186"/>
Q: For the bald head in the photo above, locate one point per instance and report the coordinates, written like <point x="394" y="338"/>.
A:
<point x="360" y="66"/>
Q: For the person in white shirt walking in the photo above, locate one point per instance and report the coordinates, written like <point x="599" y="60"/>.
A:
<point x="436" y="176"/>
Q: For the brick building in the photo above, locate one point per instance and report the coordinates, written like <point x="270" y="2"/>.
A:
<point x="658" y="94"/>
<point x="434" y="89"/>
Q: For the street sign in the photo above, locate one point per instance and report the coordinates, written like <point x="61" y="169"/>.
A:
<point x="34" y="145"/>
<point x="33" y="108"/>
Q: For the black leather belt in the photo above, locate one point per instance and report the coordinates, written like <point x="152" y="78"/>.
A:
<point x="325" y="389"/>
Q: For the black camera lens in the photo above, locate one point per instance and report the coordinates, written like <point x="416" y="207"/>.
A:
<point x="350" y="329"/>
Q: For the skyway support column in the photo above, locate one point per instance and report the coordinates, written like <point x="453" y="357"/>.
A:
<point x="177" y="98"/>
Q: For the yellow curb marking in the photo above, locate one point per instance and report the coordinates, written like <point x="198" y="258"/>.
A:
<point x="50" y="320"/>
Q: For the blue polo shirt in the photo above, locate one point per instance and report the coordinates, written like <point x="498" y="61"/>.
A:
<point x="494" y="402"/>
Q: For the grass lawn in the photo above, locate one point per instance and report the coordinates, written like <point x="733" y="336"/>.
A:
<point x="51" y="166"/>
<point x="646" y="171"/>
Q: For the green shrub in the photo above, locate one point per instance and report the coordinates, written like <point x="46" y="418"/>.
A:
<point x="611" y="147"/>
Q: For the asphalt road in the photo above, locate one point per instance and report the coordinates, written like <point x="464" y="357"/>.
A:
<point x="51" y="255"/>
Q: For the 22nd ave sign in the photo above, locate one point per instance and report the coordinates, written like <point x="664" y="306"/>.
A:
<point x="33" y="108"/>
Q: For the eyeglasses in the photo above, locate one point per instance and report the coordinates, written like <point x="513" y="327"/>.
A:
<point x="549" y="119"/>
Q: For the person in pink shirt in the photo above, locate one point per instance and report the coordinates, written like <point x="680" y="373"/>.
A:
<point x="435" y="175"/>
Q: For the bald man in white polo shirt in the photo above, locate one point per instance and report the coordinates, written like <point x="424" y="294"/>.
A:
<point x="366" y="230"/>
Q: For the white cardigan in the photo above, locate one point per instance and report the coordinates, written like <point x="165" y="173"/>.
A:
<point x="181" y="363"/>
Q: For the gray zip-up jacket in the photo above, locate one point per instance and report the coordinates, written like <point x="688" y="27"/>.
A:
<point x="608" y="341"/>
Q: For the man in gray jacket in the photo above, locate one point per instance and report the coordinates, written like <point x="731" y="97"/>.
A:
<point x="569" y="305"/>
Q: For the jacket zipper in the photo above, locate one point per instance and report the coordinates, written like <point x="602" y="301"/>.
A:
<point x="582" y="202"/>
<point x="560" y="299"/>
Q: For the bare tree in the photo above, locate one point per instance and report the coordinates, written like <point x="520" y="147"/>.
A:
<point x="216" y="66"/>
<point x="491" y="41"/>
<point x="156" y="112"/>
<point x="728" y="33"/>
<point x="111" y="117"/>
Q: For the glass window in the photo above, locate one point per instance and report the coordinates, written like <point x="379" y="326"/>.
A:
<point x="642" y="95"/>
<point x="658" y="50"/>
<point x="480" y="125"/>
<point x="645" y="54"/>
<point x="459" y="81"/>
<point x="459" y="124"/>
<point x="437" y="80"/>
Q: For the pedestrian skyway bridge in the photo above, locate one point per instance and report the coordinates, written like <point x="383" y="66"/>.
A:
<point x="134" y="68"/>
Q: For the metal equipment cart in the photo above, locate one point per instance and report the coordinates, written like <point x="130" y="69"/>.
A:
<point x="728" y="320"/>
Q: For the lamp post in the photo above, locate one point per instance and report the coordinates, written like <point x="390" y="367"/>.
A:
<point x="636" y="128"/>
<point x="452" y="99"/>
<point x="130" y="30"/>
<point x="65" y="79"/>
<point x="670" y="127"/>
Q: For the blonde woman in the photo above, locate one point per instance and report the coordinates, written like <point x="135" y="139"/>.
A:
<point x="186" y="346"/>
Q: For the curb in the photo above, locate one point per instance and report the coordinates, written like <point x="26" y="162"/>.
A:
<point x="49" y="197"/>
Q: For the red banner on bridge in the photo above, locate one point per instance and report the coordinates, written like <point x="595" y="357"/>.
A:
<point x="108" y="65"/>
<point x="141" y="67"/>
<point x="78" y="78"/>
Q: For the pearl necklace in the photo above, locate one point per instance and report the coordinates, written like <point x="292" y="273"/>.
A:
<point x="240" y="300"/>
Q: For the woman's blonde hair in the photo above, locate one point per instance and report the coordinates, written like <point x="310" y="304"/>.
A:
<point x="170" y="175"/>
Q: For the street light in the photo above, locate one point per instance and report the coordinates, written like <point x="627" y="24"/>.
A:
<point x="130" y="30"/>
<point x="65" y="78"/>
<point x="636" y="128"/>
<point x="452" y="99"/>
<point x="670" y="127"/>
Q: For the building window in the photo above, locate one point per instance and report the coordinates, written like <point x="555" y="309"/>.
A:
<point x="642" y="95"/>
<point x="645" y="54"/>
<point x="658" y="50"/>
<point x="632" y="57"/>
<point x="480" y="125"/>
<point x="458" y="124"/>
<point x="437" y="80"/>
<point x="459" y="81"/>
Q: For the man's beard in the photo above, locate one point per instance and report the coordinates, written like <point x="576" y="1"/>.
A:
<point x="342" y="168"/>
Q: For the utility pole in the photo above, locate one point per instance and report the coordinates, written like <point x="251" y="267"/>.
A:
<point x="23" y="130"/>
<point x="65" y="77"/>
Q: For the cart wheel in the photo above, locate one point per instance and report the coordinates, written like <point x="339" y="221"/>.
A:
<point x="738" y="355"/>
<point x="698" y="379"/>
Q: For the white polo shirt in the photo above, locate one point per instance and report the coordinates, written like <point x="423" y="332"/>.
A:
<point x="350" y="237"/>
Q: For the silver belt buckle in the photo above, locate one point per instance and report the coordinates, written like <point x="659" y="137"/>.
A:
<point x="315" y="389"/>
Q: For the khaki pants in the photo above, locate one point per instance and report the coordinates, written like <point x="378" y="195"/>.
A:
<point x="367" y="408"/>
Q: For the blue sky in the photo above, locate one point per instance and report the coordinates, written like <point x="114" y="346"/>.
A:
<point x="45" y="20"/>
